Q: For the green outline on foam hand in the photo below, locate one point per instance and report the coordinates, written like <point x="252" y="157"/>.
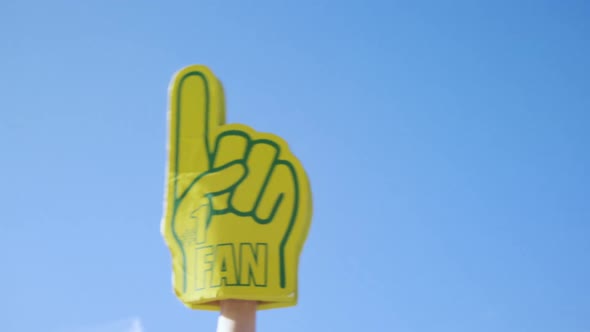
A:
<point x="211" y="155"/>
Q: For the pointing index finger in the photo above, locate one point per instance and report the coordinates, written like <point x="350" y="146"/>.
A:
<point x="196" y="109"/>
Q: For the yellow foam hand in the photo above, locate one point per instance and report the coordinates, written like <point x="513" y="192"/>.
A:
<point x="238" y="203"/>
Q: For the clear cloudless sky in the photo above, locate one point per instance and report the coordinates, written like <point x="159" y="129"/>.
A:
<point x="446" y="143"/>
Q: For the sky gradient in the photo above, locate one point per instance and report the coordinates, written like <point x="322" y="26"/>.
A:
<point x="446" y="144"/>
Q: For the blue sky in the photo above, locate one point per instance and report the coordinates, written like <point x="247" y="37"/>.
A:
<point x="446" y="143"/>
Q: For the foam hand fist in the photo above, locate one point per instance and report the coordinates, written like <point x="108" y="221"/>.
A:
<point x="238" y="203"/>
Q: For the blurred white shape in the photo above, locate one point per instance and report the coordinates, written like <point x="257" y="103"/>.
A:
<point x="124" y="325"/>
<point x="136" y="326"/>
